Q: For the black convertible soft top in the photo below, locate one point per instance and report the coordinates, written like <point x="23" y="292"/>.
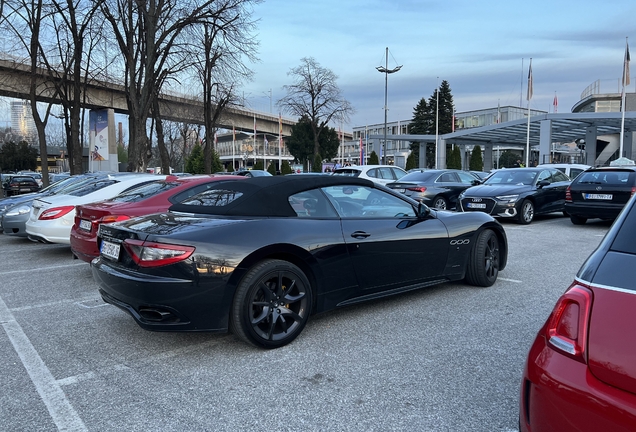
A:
<point x="266" y="196"/>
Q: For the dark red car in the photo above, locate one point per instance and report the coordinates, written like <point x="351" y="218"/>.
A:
<point x="580" y="374"/>
<point x="149" y="198"/>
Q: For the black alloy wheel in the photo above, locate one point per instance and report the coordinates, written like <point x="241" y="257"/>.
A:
<point x="526" y="213"/>
<point x="483" y="263"/>
<point x="272" y="304"/>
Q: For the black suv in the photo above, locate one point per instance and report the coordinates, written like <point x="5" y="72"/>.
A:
<point x="600" y="193"/>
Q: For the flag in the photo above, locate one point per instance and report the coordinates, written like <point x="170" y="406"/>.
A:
<point x="555" y="103"/>
<point x="530" y="90"/>
<point x="498" y="112"/>
<point x="266" y="143"/>
<point x="280" y="124"/>
<point x="626" y="66"/>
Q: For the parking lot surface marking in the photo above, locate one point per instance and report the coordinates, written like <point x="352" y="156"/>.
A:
<point x="63" y="414"/>
<point x="43" y="268"/>
<point x="509" y="280"/>
<point x="56" y="303"/>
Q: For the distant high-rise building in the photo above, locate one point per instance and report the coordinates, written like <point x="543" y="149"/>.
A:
<point x="22" y="124"/>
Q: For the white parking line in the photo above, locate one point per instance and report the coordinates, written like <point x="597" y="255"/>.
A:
<point x="62" y="412"/>
<point x="509" y="280"/>
<point x="56" y="303"/>
<point x="44" y="268"/>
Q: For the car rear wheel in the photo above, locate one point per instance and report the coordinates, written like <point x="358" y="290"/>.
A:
<point x="440" y="203"/>
<point x="271" y="305"/>
<point x="526" y="215"/>
<point x="577" y="220"/>
<point x="483" y="263"/>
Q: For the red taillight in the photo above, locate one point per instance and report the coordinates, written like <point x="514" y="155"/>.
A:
<point x="55" y="212"/>
<point x="112" y="218"/>
<point x="417" y="188"/>
<point x="567" y="326"/>
<point x="568" y="195"/>
<point x="633" y="190"/>
<point x="151" y="254"/>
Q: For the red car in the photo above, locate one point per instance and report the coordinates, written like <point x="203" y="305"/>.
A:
<point x="150" y="198"/>
<point x="580" y="374"/>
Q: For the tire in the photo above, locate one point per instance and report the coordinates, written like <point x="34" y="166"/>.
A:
<point x="271" y="305"/>
<point x="483" y="262"/>
<point x="526" y="212"/>
<point x="440" y="203"/>
<point x="577" y="220"/>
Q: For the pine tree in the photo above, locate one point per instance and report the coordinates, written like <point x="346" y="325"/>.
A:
<point x="258" y="165"/>
<point x="373" y="159"/>
<point x="195" y="163"/>
<point x="272" y="168"/>
<point x="411" y="162"/>
<point x="286" y="168"/>
<point x="476" y="161"/>
<point x="317" y="166"/>
<point x="454" y="159"/>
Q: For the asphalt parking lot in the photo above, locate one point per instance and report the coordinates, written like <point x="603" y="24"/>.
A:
<point x="446" y="358"/>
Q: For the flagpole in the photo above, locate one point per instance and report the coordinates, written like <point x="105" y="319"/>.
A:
<point x="233" y="149"/>
<point x="280" y="143"/>
<point x="530" y="91"/>
<point x="254" y="139"/>
<point x="625" y="82"/>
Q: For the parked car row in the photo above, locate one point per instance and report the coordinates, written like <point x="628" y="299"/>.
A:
<point x="258" y="256"/>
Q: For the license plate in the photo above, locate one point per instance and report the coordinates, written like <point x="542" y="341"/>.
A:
<point x="400" y="190"/>
<point x="476" y="205"/>
<point x="110" y="250"/>
<point x="85" y="225"/>
<point x="25" y="189"/>
<point x="598" y="196"/>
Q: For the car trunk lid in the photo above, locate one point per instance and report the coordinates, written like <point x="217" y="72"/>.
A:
<point x="602" y="187"/>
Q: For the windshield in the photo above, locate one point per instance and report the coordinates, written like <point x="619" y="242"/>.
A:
<point x="512" y="177"/>
<point x="144" y="191"/>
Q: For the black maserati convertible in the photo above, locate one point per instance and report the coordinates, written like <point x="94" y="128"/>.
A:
<point x="259" y="256"/>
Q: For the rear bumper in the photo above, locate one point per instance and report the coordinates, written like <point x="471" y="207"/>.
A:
<point x="83" y="246"/>
<point x="51" y="231"/>
<point x="561" y="394"/>
<point x="594" y="210"/>
<point x="161" y="303"/>
<point x="15" y="225"/>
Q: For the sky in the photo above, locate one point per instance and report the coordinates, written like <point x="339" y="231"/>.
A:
<point x="481" y="48"/>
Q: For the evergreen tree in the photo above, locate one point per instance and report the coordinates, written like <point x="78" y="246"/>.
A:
<point x="420" y="125"/>
<point x="476" y="161"/>
<point x="286" y="168"/>
<point x="195" y="163"/>
<point x="455" y="159"/>
<point x="507" y="159"/>
<point x="411" y="162"/>
<point x="373" y="159"/>
<point x="317" y="165"/>
<point x="230" y="168"/>
<point x="258" y="165"/>
<point x="272" y="168"/>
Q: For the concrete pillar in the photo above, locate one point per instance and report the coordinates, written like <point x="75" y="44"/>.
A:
<point x="487" y="156"/>
<point x="628" y="140"/>
<point x="440" y="154"/>
<point x="462" y="152"/>
<point x="545" y="141"/>
<point x="422" y="161"/>
<point x="590" y="145"/>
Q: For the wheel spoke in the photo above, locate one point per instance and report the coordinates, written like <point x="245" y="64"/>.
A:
<point x="285" y="312"/>
<point x="267" y="292"/>
<point x="294" y="298"/>
<point x="261" y="317"/>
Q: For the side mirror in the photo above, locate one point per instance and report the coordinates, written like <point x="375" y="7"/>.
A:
<point x="476" y="182"/>
<point x="543" y="183"/>
<point x="423" y="211"/>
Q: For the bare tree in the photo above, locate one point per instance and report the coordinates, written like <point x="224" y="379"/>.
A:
<point x="69" y="64"/>
<point x="25" y="20"/>
<point x="150" y="38"/>
<point x="315" y="94"/>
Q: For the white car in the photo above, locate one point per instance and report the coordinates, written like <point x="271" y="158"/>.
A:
<point x="571" y="170"/>
<point x="52" y="217"/>
<point x="381" y="174"/>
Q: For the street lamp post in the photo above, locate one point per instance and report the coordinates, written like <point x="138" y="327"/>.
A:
<point x="386" y="71"/>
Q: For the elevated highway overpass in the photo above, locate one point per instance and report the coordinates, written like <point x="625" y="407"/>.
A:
<point x="14" y="83"/>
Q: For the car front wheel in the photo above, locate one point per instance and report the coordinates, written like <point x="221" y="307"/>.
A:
<point x="526" y="215"/>
<point x="271" y="305"/>
<point x="483" y="263"/>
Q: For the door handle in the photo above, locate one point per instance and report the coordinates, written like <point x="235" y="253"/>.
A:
<point x="360" y="234"/>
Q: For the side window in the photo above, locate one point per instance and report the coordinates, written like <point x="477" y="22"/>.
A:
<point x="373" y="173"/>
<point x="574" y="172"/>
<point x="447" y="178"/>
<point x="366" y="202"/>
<point x="559" y="177"/>
<point x="398" y="173"/>
<point x="181" y="196"/>
<point x="312" y="204"/>
<point x="386" y="174"/>
<point x="466" y="178"/>
<point x="545" y="175"/>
